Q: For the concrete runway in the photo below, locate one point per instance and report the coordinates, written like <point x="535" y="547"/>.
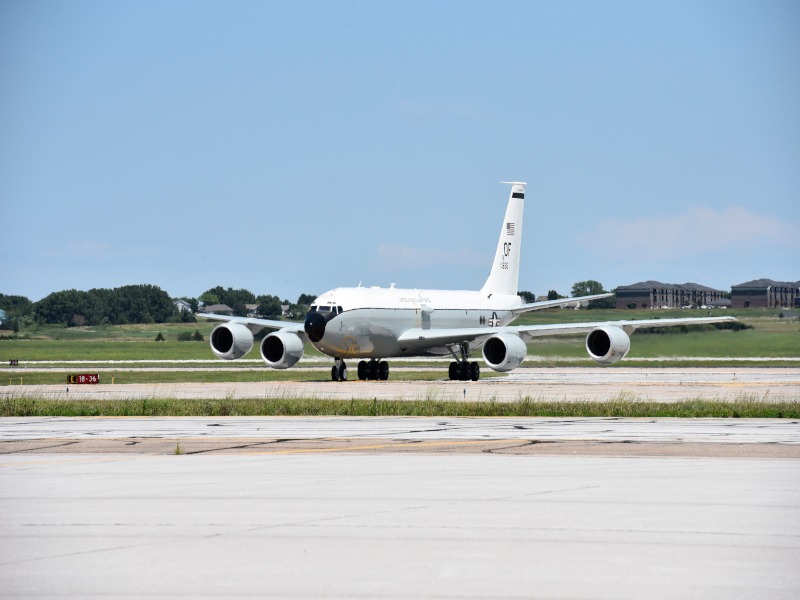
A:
<point x="570" y="384"/>
<point x="336" y="525"/>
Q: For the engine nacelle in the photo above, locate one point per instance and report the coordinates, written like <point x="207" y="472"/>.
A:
<point x="608" y="345"/>
<point x="231" y="340"/>
<point x="504" y="352"/>
<point x="281" y="350"/>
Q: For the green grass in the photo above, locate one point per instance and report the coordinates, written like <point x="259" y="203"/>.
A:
<point x="623" y="406"/>
<point x="769" y="337"/>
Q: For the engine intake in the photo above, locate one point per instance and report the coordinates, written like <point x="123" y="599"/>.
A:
<point x="231" y="340"/>
<point x="608" y="345"/>
<point x="281" y="350"/>
<point x="504" y="352"/>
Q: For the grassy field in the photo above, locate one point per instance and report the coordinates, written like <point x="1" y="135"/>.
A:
<point x="768" y="337"/>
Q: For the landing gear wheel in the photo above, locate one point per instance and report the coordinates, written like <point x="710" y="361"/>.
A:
<point x="372" y="369"/>
<point x="474" y="371"/>
<point x="339" y="371"/>
<point x="464" y="368"/>
<point x="453" y="371"/>
<point x="383" y="371"/>
<point x="362" y="370"/>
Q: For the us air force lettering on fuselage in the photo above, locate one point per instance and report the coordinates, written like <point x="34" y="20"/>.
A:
<point x="373" y="324"/>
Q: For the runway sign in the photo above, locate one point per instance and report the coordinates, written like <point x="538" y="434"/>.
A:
<point x="85" y="378"/>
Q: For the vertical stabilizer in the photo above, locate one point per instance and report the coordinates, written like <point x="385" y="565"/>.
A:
<point x="504" y="276"/>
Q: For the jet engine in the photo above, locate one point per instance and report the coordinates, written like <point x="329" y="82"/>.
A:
<point x="231" y="340"/>
<point x="281" y="350"/>
<point x="607" y="344"/>
<point x="504" y="351"/>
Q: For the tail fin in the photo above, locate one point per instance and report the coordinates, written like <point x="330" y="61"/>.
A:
<point x="504" y="276"/>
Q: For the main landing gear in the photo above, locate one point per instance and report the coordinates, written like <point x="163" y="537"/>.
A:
<point x="461" y="369"/>
<point x="374" y="369"/>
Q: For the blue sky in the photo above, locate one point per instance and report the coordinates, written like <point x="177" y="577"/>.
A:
<point x="291" y="148"/>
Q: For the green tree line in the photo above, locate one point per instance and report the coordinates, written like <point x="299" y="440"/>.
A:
<point x="133" y="304"/>
<point x="99" y="306"/>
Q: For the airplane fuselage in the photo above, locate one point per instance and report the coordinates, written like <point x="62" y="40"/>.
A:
<point x="369" y="322"/>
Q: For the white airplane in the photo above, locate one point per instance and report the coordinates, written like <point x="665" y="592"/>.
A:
<point x="379" y="323"/>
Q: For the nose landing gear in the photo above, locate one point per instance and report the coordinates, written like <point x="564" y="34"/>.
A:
<point x="339" y="371"/>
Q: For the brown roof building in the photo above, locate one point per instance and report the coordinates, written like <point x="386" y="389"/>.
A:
<point x="219" y="309"/>
<point x="766" y="293"/>
<point x="654" y="294"/>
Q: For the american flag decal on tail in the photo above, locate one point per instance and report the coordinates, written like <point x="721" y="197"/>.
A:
<point x="510" y="229"/>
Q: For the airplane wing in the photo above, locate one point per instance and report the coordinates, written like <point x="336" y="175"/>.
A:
<point x="426" y="338"/>
<point x="629" y="326"/>
<point x="559" y="302"/>
<point x="256" y="325"/>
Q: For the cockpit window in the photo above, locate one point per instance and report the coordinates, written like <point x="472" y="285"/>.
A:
<point x="339" y="308"/>
<point x="313" y="308"/>
<point x="324" y="309"/>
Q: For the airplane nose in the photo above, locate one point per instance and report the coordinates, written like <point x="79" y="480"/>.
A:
<point x="314" y="326"/>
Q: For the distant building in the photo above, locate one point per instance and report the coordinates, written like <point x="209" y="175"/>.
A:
<point x="219" y="309"/>
<point x="766" y="293"/>
<point x="654" y="294"/>
<point x="721" y="303"/>
<point x="252" y="310"/>
<point x="182" y="305"/>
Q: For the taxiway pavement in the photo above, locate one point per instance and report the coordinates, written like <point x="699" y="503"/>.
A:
<point x="570" y="384"/>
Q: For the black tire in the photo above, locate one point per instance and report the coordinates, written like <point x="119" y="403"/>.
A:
<point x="474" y="371"/>
<point x="383" y="371"/>
<point x="334" y="373"/>
<point x="362" y="370"/>
<point x="343" y="373"/>
<point x="453" y="371"/>
<point x="464" y="368"/>
<point x="372" y="370"/>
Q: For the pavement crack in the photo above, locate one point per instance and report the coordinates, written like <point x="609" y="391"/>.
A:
<point x="51" y="446"/>
<point x="243" y="446"/>
<point x="515" y="446"/>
